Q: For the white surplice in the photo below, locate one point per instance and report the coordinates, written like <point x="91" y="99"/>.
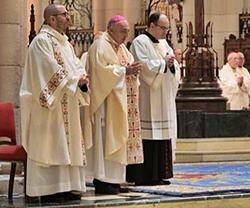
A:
<point x="50" y="119"/>
<point x="157" y="91"/>
<point x="238" y="97"/>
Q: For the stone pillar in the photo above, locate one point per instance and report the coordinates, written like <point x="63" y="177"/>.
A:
<point x="11" y="60"/>
<point x="188" y="16"/>
<point x="132" y="11"/>
<point x="39" y="7"/>
<point x="103" y="10"/>
<point x="12" y="53"/>
<point x="224" y="15"/>
<point x="98" y="15"/>
<point x="15" y="26"/>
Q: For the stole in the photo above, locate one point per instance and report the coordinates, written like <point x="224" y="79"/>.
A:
<point x="134" y="144"/>
<point x="64" y="101"/>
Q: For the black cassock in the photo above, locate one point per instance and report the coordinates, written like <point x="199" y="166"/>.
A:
<point x="158" y="164"/>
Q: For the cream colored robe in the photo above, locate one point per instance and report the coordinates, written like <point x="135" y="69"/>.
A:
<point x="157" y="91"/>
<point x="238" y="97"/>
<point x="50" y="120"/>
<point x="107" y="154"/>
<point x="84" y="58"/>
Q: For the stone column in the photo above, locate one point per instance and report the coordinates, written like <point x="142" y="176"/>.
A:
<point x="132" y="11"/>
<point x="103" y="10"/>
<point x="98" y="15"/>
<point x="188" y="16"/>
<point x="224" y="15"/>
<point x="12" y="53"/>
<point x="11" y="49"/>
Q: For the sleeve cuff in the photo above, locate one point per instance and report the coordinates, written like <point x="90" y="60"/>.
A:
<point x="163" y="67"/>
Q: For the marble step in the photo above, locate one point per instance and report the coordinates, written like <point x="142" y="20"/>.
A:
<point x="210" y="156"/>
<point x="212" y="149"/>
<point x="214" y="144"/>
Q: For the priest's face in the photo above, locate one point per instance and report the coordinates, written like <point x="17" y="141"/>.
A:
<point x="161" y="28"/>
<point x="178" y="54"/>
<point x="233" y="60"/>
<point x="62" y="20"/>
<point x="119" y="32"/>
<point x="241" y="59"/>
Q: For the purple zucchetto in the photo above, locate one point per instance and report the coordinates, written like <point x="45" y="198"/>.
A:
<point x="115" y="19"/>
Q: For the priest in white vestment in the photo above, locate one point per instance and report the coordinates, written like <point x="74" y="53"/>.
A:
<point x="235" y="82"/>
<point x="50" y="97"/>
<point x="110" y="65"/>
<point x="157" y="103"/>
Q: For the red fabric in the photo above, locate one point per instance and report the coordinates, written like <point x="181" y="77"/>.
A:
<point x="7" y="121"/>
<point x="12" y="153"/>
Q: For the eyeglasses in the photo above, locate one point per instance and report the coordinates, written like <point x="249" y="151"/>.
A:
<point x="163" y="27"/>
<point x="65" y="14"/>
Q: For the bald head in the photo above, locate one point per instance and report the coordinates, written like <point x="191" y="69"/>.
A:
<point x="178" y="54"/>
<point x="57" y="17"/>
<point x="52" y="9"/>
<point x="231" y="56"/>
<point x="241" y="59"/>
<point x="240" y="55"/>
<point x="232" y="59"/>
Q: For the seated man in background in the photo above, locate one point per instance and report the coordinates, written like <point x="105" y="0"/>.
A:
<point x="178" y="54"/>
<point x="235" y="82"/>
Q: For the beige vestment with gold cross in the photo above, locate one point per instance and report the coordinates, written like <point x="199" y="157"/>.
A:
<point x="107" y="136"/>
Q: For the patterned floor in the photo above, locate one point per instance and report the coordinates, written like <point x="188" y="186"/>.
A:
<point x="204" y="179"/>
<point x="204" y="183"/>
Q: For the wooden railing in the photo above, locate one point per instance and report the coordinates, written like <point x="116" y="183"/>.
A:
<point x="240" y="44"/>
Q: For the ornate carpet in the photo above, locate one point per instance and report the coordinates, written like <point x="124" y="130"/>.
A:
<point x="204" y="179"/>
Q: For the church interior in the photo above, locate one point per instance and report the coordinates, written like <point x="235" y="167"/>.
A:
<point x="212" y="164"/>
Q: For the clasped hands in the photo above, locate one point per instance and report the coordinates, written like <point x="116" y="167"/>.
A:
<point x="84" y="79"/>
<point x="83" y="83"/>
<point x="169" y="59"/>
<point x="240" y="80"/>
<point x="134" y="68"/>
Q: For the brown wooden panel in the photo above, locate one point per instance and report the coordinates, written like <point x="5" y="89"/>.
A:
<point x="240" y="44"/>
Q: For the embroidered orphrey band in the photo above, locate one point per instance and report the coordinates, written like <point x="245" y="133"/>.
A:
<point x="55" y="80"/>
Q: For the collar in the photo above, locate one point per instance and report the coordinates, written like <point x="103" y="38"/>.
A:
<point x="151" y="37"/>
<point x="234" y="69"/>
<point x="111" y="40"/>
<point x="49" y="30"/>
